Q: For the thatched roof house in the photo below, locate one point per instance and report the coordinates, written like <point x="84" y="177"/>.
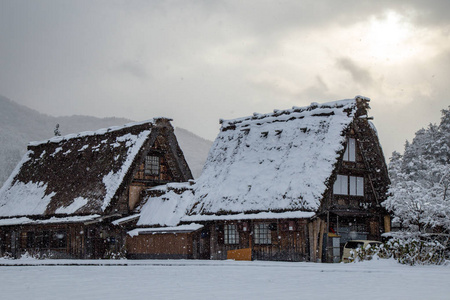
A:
<point x="319" y="162"/>
<point x="98" y="174"/>
<point x="281" y="161"/>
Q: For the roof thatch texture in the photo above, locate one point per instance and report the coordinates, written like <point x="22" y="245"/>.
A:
<point x="280" y="161"/>
<point x="75" y="174"/>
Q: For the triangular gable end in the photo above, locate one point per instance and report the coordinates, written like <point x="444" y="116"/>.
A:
<point x="163" y="150"/>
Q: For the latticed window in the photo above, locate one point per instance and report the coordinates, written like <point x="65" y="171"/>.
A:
<point x="231" y="234"/>
<point x="262" y="234"/>
<point x="151" y="165"/>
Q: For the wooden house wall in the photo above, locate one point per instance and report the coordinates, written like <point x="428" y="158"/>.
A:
<point x="286" y="244"/>
<point x="358" y="217"/>
<point x="40" y="240"/>
<point x="163" y="246"/>
<point x="79" y="241"/>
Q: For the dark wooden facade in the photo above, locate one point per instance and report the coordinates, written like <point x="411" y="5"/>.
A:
<point x="282" y="240"/>
<point x="70" y="240"/>
<point x="176" y="245"/>
<point x="351" y="217"/>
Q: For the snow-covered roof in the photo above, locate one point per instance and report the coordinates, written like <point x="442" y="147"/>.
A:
<point x="125" y="219"/>
<point x="167" y="209"/>
<point x="268" y="166"/>
<point x="280" y="161"/>
<point x="74" y="174"/>
<point x="174" y="229"/>
<point x="53" y="220"/>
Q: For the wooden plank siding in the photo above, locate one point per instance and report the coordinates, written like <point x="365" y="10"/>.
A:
<point x="163" y="246"/>
<point x="288" y="240"/>
<point x="61" y="241"/>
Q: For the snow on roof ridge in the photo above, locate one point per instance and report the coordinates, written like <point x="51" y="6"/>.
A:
<point x="294" y="109"/>
<point x="96" y="132"/>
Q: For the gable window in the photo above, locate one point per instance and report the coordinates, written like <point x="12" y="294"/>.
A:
<point x="151" y="165"/>
<point x="231" y="234"/>
<point x="349" y="185"/>
<point x="341" y="185"/>
<point x="350" y="150"/>
<point x="262" y="234"/>
<point x="356" y="186"/>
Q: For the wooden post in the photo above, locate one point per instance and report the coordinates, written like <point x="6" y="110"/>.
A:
<point x="322" y="229"/>
<point x="387" y="223"/>
<point x="316" y="239"/>
<point x="311" y="242"/>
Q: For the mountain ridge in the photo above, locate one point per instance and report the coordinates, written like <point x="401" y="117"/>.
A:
<point x="20" y="125"/>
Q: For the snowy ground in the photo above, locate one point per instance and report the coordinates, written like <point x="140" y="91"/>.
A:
<point x="181" y="279"/>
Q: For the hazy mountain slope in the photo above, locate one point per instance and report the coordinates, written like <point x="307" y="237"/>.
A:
<point x="195" y="149"/>
<point x="19" y="125"/>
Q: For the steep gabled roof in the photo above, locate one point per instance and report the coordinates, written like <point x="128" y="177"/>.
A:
<point x="76" y="174"/>
<point x="280" y="161"/>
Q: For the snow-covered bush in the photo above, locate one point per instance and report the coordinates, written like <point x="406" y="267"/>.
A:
<point x="116" y="254"/>
<point x="367" y="253"/>
<point x="418" y="250"/>
<point x="7" y="255"/>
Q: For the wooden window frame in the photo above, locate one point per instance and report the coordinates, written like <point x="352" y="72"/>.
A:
<point x="152" y="165"/>
<point x="349" y="185"/>
<point x="262" y="235"/>
<point x="231" y="234"/>
<point x="350" y="150"/>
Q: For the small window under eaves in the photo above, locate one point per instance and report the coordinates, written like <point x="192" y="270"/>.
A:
<point x="152" y="165"/>
<point x="350" y="150"/>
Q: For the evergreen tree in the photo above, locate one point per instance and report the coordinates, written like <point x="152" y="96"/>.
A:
<point x="420" y="180"/>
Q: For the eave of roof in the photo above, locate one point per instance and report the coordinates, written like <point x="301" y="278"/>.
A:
<point x="255" y="216"/>
<point x="163" y="230"/>
<point x="53" y="220"/>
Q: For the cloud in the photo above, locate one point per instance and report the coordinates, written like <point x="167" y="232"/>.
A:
<point x="359" y="75"/>
<point x="198" y="61"/>
<point x="134" y="68"/>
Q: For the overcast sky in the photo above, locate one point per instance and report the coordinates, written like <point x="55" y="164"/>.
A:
<point x="198" y="61"/>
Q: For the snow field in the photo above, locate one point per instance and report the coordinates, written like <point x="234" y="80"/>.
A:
<point x="181" y="279"/>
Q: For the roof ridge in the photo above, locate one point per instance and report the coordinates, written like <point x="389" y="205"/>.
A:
<point x="58" y="139"/>
<point x="352" y="103"/>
